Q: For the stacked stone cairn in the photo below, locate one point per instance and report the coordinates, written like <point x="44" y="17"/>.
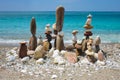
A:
<point x="60" y="54"/>
<point x="92" y="54"/>
<point x="33" y="39"/>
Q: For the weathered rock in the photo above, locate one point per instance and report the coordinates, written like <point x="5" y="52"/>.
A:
<point x="60" y="43"/>
<point x="71" y="57"/>
<point x="46" y="45"/>
<point x="23" y="50"/>
<point x="101" y="57"/>
<point x="33" y="26"/>
<point x="59" y="18"/>
<point x="84" y="45"/>
<point x="33" y="39"/>
<point x="78" y="47"/>
<point x="97" y="40"/>
<point x="39" y="52"/>
<point x="32" y="43"/>
<point x="40" y="40"/>
<point x="90" y="54"/>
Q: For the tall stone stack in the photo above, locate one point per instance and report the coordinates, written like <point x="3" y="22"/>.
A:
<point x="59" y="24"/>
<point x="88" y="27"/>
<point x="87" y="32"/>
<point x="33" y="39"/>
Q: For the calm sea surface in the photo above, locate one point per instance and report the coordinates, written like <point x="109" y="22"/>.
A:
<point x="15" y="26"/>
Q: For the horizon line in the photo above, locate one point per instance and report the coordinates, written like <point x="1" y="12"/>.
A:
<point x="54" y="11"/>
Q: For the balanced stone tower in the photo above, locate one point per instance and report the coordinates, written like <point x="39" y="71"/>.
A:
<point x="59" y="25"/>
<point x="87" y="33"/>
<point x="88" y="27"/>
<point x="33" y="39"/>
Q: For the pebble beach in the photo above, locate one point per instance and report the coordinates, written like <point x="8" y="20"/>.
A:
<point x="16" y="70"/>
<point x="69" y="52"/>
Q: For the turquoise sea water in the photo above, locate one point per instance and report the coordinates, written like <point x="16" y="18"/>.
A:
<point x="15" y="26"/>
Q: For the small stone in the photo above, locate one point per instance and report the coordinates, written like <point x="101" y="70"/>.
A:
<point x="10" y="58"/>
<point x="63" y="52"/>
<point x="40" y="61"/>
<point x="30" y="73"/>
<point x="54" y="76"/>
<point x="55" y="53"/>
<point x="71" y="57"/>
<point x="100" y="56"/>
<point x="51" y="52"/>
<point x="102" y="63"/>
<point x="96" y="55"/>
<point x="15" y="48"/>
<point x="25" y="59"/>
<point x="85" y="61"/>
<point x="24" y="71"/>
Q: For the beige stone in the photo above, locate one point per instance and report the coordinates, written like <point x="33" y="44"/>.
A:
<point x="39" y="52"/>
<point x="71" y="57"/>
<point x="30" y="52"/>
<point x="46" y="45"/>
<point x="97" y="40"/>
<point x="100" y="56"/>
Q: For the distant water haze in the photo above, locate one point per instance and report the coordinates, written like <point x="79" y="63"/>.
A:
<point x="15" y="26"/>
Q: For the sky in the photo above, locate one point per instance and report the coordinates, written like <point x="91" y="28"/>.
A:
<point x="50" y="5"/>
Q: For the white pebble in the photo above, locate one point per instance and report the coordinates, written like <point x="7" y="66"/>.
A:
<point x="40" y="61"/>
<point x="55" y="53"/>
<point x="102" y="63"/>
<point x="10" y="58"/>
<point x="54" y="76"/>
<point x="24" y="71"/>
<point x="25" y="59"/>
